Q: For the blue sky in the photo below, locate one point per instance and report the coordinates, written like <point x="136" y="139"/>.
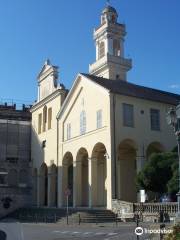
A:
<point x="62" y="30"/>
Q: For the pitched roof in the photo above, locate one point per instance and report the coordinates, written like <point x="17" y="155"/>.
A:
<point x="133" y="90"/>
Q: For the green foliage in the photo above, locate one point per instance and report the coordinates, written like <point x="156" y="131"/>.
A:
<point x="159" y="173"/>
<point x="173" y="182"/>
<point x="175" y="149"/>
<point x="175" y="235"/>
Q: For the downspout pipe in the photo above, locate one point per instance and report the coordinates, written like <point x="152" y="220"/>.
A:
<point x="114" y="140"/>
<point x="57" y="160"/>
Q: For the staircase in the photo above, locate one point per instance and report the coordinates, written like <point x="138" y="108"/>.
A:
<point x="96" y="216"/>
<point x="76" y="215"/>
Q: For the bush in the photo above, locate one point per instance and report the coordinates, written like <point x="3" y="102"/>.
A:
<point x="175" y="235"/>
<point x="159" y="174"/>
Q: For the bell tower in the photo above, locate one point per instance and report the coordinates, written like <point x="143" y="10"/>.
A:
<point x="109" y="40"/>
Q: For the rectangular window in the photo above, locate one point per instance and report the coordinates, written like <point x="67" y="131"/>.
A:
<point x="128" y="115"/>
<point x="44" y="144"/>
<point x="44" y="118"/>
<point x="68" y="131"/>
<point x="155" y="119"/>
<point x="99" y="119"/>
<point x="39" y="123"/>
<point x="49" y="117"/>
<point x="82" y="122"/>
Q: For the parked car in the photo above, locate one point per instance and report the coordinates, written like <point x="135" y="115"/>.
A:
<point x="165" y="198"/>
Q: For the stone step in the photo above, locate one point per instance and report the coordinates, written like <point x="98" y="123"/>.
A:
<point x="59" y="215"/>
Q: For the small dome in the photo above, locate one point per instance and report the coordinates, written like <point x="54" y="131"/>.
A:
<point x="109" y="9"/>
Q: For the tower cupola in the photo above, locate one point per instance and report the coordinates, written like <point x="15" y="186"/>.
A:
<point x="109" y="14"/>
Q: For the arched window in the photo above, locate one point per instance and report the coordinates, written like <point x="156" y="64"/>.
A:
<point x="44" y="118"/>
<point x="83" y="122"/>
<point x="116" y="47"/>
<point x="101" y="50"/>
<point x="13" y="177"/>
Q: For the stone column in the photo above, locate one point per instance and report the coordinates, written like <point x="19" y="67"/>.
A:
<point x="122" y="48"/>
<point x="140" y="160"/>
<point x="92" y="178"/>
<point x="49" y="202"/>
<point x="90" y="181"/>
<point x="108" y="181"/>
<point x="63" y="184"/>
<point x="34" y="188"/>
<point x="118" y="178"/>
<point x="74" y="184"/>
<point x="78" y="183"/>
<point x="60" y="193"/>
<point x="38" y="189"/>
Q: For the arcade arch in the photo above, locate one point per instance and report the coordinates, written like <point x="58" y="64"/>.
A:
<point x="99" y="175"/>
<point x="126" y="170"/>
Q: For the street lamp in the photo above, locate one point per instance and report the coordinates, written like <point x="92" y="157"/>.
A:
<point x="173" y="119"/>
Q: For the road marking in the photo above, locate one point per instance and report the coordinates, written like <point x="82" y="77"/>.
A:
<point x="111" y="234"/>
<point x="100" y="233"/>
<point x="86" y="233"/>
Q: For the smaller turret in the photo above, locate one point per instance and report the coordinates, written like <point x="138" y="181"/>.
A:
<point x="47" y="80"/>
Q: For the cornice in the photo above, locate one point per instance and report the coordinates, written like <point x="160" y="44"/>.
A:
<point x="47" y="99"/>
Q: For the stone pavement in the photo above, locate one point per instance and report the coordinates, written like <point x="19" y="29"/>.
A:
<point x="32" y="231"/>
<point x="14" y="231"/>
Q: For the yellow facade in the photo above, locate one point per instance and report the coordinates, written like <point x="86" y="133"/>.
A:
<point x="88" y="148"/>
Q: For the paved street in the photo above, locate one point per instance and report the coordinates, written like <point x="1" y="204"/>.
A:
<point x="17" y="231"/>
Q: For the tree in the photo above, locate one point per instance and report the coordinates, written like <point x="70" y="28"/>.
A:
<point x="173" y="182"/>
<point x="159" y="174"/>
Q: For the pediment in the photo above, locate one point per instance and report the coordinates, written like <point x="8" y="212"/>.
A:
<point x="47" y="67"/>
<point x="75" y="91"/>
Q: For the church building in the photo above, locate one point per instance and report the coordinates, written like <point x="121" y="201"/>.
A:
<point x="94" y="138"/>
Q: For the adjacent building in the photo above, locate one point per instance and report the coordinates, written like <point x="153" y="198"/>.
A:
<point x="15" y="157"/>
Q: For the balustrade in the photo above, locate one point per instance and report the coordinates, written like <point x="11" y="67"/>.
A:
<point x="171" y="207"/>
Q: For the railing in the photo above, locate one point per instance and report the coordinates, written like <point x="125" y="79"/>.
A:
<point x="110" y="58"/>
<point x="170" y="208"/>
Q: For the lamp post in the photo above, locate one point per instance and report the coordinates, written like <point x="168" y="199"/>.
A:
<point x="173" y="119"/>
